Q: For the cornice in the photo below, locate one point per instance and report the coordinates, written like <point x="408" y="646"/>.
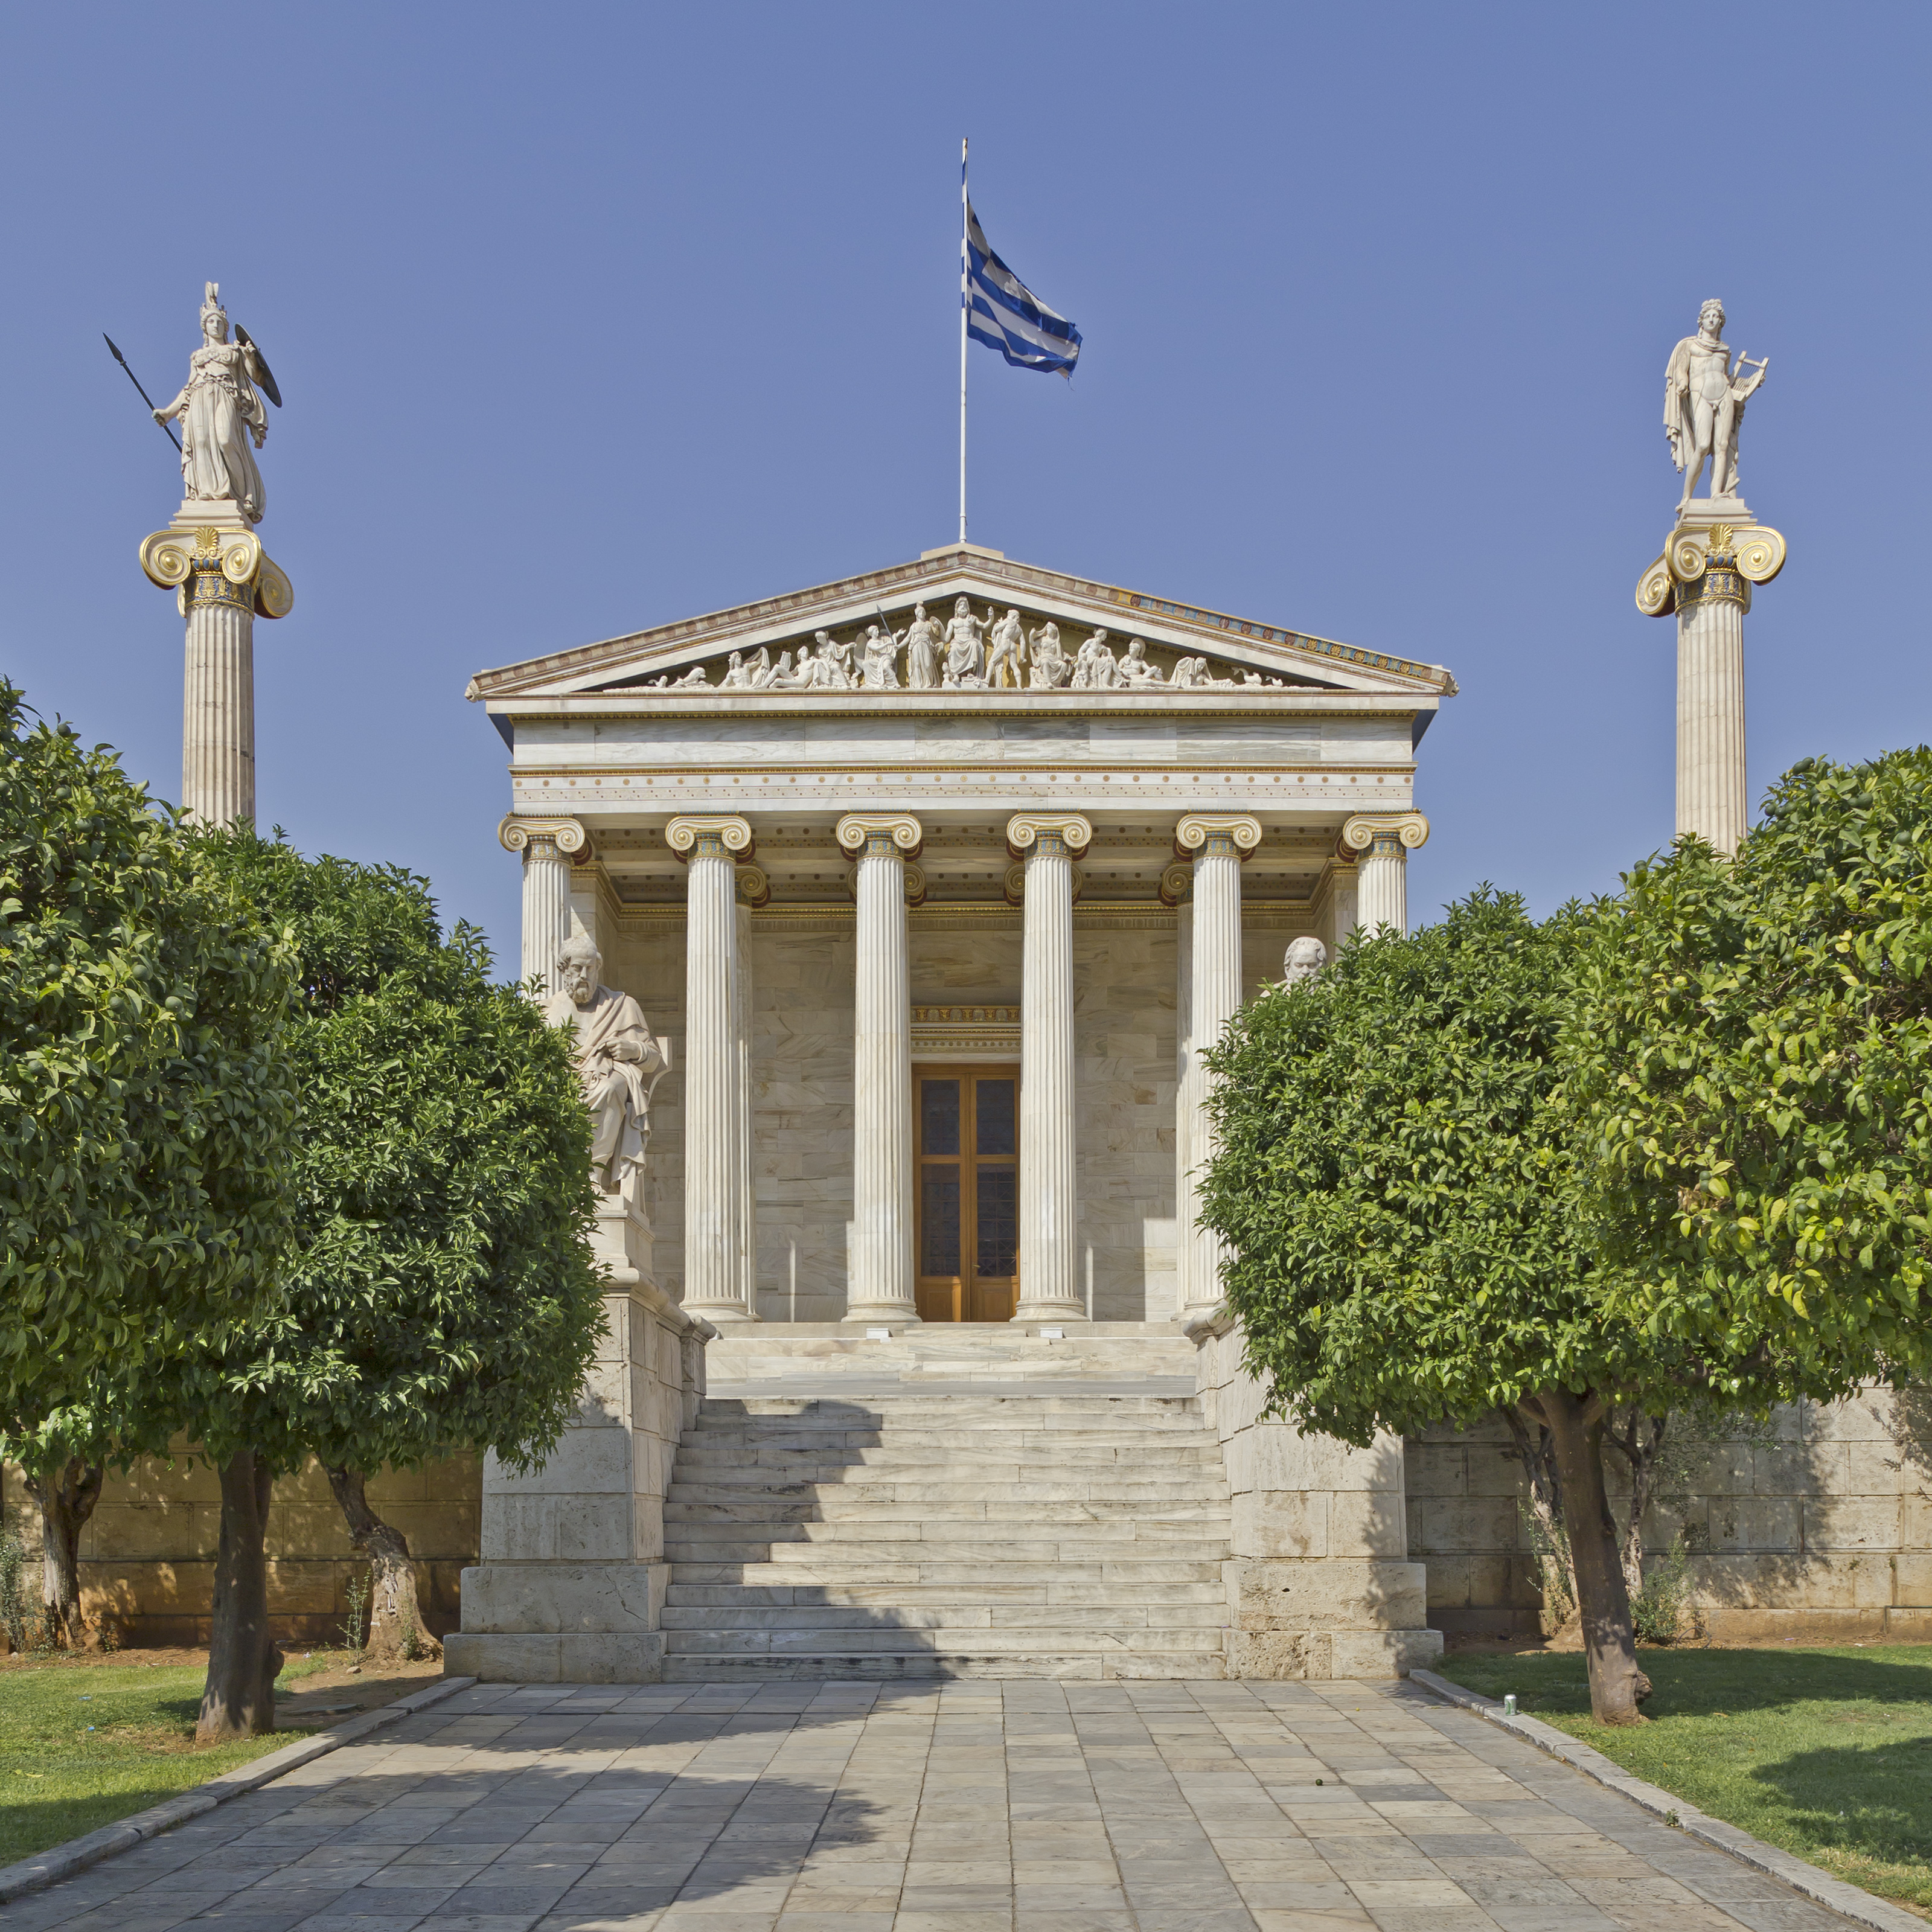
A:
<point x="717" y="631"/>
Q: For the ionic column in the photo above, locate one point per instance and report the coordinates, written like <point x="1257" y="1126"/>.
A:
<point x="1218" y="843"/>
<point x="547" y="845"/>
<point x="1050" y="1286"/>
<point x="1711" y="800"/>
<point x="1383" y="841"/>
<point x="880" y="1286"/>
<point x="1705" y="575"/>
<point x="224" y="580"/>
<point x="715" y="1286"/>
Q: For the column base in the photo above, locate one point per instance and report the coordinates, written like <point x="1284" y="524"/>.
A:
<point x="1054" y="1315"/>
<point x="897" y="1316"/>
<point x="722" y="1314"/>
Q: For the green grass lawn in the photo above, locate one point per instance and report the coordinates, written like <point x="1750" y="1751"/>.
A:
<point x="83" y="1744"/>
<point x="1826" y="1753"/>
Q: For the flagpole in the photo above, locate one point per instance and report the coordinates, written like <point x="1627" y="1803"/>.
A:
<point x="964" y="297"/>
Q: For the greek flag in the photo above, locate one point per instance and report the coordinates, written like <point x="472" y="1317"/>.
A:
<point x="1005" y="314"/>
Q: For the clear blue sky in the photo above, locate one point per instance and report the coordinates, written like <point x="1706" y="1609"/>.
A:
<point x="590" y="317"/>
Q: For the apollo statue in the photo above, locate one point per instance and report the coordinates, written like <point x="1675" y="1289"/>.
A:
<point x="220" y="413"/>
<point x="1704" y="404"/>
<point x="619" y="1061"/>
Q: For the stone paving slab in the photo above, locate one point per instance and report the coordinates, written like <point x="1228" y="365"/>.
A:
<point x="970" y="1806"/>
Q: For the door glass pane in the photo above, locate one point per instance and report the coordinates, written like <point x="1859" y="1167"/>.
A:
<point x="999" y="1218"/>
<point x="993" y="1118"/>
<point x="939" y="1215"/>
<point x="939" y="1117"/>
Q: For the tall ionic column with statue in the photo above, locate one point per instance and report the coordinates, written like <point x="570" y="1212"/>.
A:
<point x="210" y="556"/>
<point x="1716" y="553"/>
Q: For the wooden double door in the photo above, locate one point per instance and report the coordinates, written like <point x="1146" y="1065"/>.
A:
<point x="966" y="1144"/>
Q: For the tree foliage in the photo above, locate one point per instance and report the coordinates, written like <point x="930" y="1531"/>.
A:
<point x="1751" y="1061"/>
<point x="145" y="1098"/>
<point x="1396" y="1183"/>
<point x="441" y="1294"/>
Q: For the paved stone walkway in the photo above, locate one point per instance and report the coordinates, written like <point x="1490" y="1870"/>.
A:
<point x="967" y="1807"/>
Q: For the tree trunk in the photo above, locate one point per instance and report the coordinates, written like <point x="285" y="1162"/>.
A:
<point x="1617" y="1686"/>
<point x="396" y="1627"/>
<point x="1643" y="1449"/>
<point x="66" y="1494"/>
<point x="1545" y="1510"/>
<point x="243" y="1662"/>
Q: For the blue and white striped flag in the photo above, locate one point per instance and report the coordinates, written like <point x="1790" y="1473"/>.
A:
<point x="1005" y="314"/>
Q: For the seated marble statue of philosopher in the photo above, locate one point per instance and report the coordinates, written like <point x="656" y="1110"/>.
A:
<point x="619" y="1060"/>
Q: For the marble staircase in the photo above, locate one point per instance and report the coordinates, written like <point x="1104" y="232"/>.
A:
<point x="970" y="1502"/>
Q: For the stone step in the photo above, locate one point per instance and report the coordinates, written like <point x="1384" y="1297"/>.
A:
<point x="1059" y="1409"/>
<point x="1109" y="1431"/>
<point x="970" y="1454"/>
<point x="1093" y="1619"/>
<point x="827" y="1520"/>
<point x="832" y="1507"/>
<point x="911" y="1575"/>
<point x="972" y="1591"/>
<point x="1072" y="1567"/>
<point x="861" y="1538"/>
<point x="781" y="1498"/>
<point x="1065" y="1642"/>
<point x="872" y="1667"/>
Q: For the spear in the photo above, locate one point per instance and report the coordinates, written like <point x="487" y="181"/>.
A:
<point x="136" y="381"/>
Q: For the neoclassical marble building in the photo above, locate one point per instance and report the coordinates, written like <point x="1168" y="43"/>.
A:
<point x="933" y="932"/>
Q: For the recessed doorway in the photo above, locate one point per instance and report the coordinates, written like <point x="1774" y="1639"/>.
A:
<point x="966" y="1138"/>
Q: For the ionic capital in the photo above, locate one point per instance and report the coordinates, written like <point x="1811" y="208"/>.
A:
<point x="1217" y="834"/>
<point x="857" y="832"/>
<point x="708" y="835"/>
<point x="519" y="832"/>
<point x="1069" y="830"/>
<point x="1383" y="834"/>
<point x="754" y="884"/>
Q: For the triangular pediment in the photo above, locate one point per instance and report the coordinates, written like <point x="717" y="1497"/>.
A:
<point x="780" y="644"/>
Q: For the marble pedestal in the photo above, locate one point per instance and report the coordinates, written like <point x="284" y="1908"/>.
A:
<point x="571" y="1589"/>
<point x="1319" y="1583"/>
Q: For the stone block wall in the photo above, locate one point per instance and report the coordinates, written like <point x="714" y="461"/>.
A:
<point x="1320" y="1584"/>
<point x="1818" y="1526"/>
<point x="570" y="1585"/>
<point x="147" y="1556"/>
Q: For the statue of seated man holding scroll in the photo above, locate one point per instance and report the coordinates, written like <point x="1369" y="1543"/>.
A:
<point x="619" y="1060"/>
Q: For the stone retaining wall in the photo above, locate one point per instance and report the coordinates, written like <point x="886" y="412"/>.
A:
<point x="147" y="1556"/>
<point x="1818" y="1527"/>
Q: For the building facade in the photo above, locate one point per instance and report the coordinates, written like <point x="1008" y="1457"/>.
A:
<point x="871" y="916"/>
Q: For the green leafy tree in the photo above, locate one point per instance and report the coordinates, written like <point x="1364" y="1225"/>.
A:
<point x="146" y="1109"/>
<point x="442" y="1294"/>
<point x="1751" y="1058"/>
<point x="1396" y="1184"/>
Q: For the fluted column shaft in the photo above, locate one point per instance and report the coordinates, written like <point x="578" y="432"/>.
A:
<point x="1050" y="1287"/>
<point x="1382" y="873"/>
<point x="1219" y="842"/>
<point x="1711" y="799"/>
<point x="881" y="1285"/>
<point x="546" y="909"/>
<point x="218" y="712"/>
<point x="715" y="1284"/>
